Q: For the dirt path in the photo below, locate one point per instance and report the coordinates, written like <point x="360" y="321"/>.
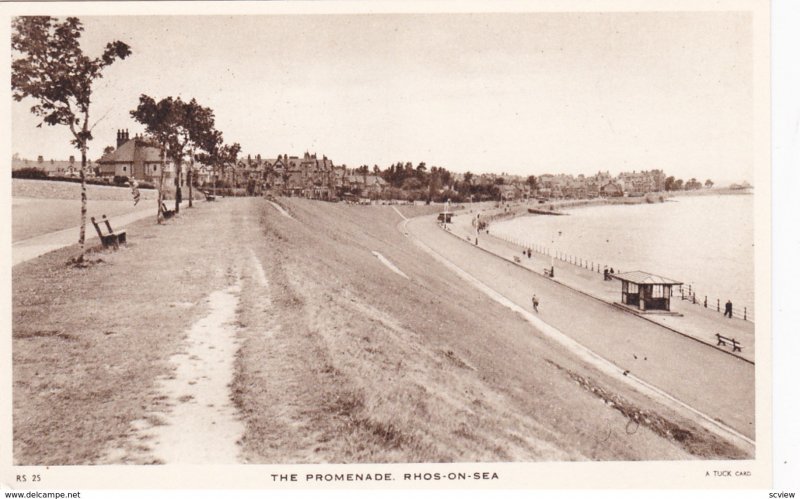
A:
<point x="194" y="419"/>
<point x="199" y="424"/>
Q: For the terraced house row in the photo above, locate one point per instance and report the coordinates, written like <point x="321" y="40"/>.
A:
<point x="309" y="176"/>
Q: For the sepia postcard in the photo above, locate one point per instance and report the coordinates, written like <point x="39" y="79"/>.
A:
<point x="324" y="245"/>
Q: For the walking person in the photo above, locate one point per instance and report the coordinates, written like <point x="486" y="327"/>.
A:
<point x="728" y="310"/>
<point x="535" y="301"/>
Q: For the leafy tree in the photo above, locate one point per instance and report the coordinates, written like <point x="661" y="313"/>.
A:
<point x="532" y="182"/>
<point x="421" y="170"/>
<point x="693" y="184"/>
<point x="411" y="184"/>
<point x="176" y="125"/>
<point x="50" y="67"/>
<point x="669" y="184"/>
<point x="199" y="124"/>
<point x="709" y="183"/>
<point x="159" y="119"/>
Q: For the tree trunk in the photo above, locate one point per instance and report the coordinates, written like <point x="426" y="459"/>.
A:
<point x="177" y="185"/>
<point x="189" y="178"/>
<point x="160" y="196"/>
<point x="82" y="235"/>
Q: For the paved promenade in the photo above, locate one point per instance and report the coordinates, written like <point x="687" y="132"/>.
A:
<point x="698" y="374"/>
<point x="694" y="320"/>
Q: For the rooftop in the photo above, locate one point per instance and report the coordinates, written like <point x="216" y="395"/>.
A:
<point x="639" y="277"/>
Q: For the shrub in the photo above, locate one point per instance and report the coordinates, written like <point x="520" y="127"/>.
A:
<point x="29" y="172"/>
<point x="120" y="180"/>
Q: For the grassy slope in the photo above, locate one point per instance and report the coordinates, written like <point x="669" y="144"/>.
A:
<point x="35" y="217"/>
<point x="345" y="361"/>
<point x="48" y="189"/>
<point x="342" y="360"/>
<point x="42" y="206"/>
<point x="89" y="343"/>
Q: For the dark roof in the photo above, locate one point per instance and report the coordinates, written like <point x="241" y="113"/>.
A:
<point x="639" y="277"/>
<point x="132" y="150"/>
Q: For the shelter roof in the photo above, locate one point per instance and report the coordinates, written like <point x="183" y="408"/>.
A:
<point x="640" y="277"/>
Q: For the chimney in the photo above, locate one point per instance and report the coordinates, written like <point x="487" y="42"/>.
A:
<point x="121" y="137"/>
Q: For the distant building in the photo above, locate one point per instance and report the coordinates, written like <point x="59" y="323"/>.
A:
<point x="69" y="168"/>
<point x="138" y="157"/>
<point x="309" y="177"/>
<point x="611" y="189"/>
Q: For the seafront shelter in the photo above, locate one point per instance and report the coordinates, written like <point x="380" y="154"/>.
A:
<point x="445" y="217"/>
<point x="645" y="291"/>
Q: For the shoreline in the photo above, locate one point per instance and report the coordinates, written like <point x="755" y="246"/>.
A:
<point x="516" y="208"/>
<point x="744" y="304"/>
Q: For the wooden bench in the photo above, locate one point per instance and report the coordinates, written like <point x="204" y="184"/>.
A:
<point x="111" y="238"/>
<point x="167" y="213"/>
<point x="209" y="196"/>
<point x="725" y="341"/>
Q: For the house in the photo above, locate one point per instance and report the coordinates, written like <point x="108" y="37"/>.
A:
<point x="611" y="189"/>
<point x="137" y="157"/>
<point x="310" y="176"/>
<point x="508" y="192"/>
<point x="70" y="168"/>
<point x="374" y="185"/>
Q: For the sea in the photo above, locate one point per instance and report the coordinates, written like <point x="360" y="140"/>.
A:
<point x="704" y="241"/>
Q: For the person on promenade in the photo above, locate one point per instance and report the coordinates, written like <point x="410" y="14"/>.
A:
<point x="529" y="252"/>
<point x="728" y="310"/>
<point x="535" y="301"/>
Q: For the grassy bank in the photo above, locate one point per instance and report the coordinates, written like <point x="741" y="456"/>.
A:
<point x="341" y="359"/>
<point x="346" y="361"/>
<point x="89" y="344"/>
<point x="46" y="189"/>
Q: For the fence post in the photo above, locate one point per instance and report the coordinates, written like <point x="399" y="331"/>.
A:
<point x="745" y="313"/>
<point x="717" y="304"/>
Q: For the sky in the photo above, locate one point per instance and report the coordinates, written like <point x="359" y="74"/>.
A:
<point x="522" y="93"/>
